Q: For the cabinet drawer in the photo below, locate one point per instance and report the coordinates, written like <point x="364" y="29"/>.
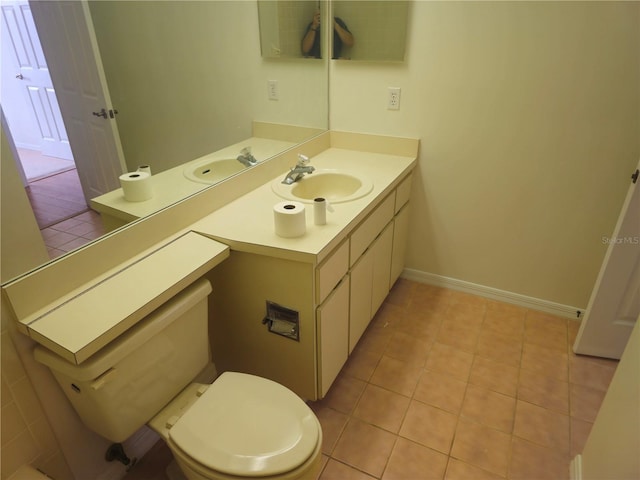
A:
<point x="329" y="273"/>
<point x="403" y="192"/>
<point x="371" y="227"/>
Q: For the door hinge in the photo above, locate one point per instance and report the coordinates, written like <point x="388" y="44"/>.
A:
<point x="634" y="177"/>
<point x="113" y="113"/>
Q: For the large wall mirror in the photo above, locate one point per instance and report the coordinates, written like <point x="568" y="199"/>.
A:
<point x="185" y="78"/>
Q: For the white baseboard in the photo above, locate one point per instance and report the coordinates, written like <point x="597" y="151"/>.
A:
<point x="493" y="293"/>
<point x="575" y="468"/>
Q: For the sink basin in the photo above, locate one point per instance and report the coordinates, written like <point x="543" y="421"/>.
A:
<point x="334" y="185"/>
<point x="213" y="171"/>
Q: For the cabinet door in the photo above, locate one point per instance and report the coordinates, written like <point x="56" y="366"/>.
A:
<point x="361" y="294"/>
<point x="400" y="233"/>
<point x="381" y="250"/>
<point x="333" y="335"/>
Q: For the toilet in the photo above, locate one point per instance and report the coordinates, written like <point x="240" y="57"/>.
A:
<point x="240" y="426"/>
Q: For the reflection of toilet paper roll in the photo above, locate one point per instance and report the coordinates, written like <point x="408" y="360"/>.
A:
<point x="289" y="219"/>
<point x="136" y="186"/>
<point x="144" y="168"/>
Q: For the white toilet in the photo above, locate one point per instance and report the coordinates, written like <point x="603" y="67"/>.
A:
<point x="240" y="426"/>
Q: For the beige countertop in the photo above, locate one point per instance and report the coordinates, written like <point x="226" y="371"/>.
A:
<point x="247" y="224"/>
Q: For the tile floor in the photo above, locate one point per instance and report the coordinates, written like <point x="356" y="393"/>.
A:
<point x="69" y="234"/>
<point x="56" y="198"/>
<point x="447" y="385"/>
<point x="58" y="203"/>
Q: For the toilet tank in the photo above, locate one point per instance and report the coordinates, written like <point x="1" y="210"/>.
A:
<point x="120" y="388"/>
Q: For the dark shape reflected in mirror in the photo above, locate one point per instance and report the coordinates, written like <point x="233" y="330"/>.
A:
<point x="312" y="39"/>
<point x="378" y="27"/>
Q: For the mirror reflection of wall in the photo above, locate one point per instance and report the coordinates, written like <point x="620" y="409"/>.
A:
<point x="282" y="26"/>
<point x="176" y="73"/>
<point x="379" y="28"/>
<point x="187" y="79"/>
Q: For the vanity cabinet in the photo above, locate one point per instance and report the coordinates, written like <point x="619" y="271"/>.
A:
<point x="334" y="300"/>
<point x="370" y="284"/>
<point x="332" y="323"/>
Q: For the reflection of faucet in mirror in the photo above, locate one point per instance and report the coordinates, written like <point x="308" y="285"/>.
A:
<point x="246" y="158"/>
<point x="297" y="172"/>
<point x="311" y="40"/>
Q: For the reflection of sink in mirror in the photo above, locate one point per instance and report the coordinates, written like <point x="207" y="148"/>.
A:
<point x="213" y="171"/>
<point x="334" y="185"/>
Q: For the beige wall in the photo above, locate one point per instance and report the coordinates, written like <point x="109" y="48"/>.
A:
<point x="22" y="247"/>
<point x="528" y="116"/>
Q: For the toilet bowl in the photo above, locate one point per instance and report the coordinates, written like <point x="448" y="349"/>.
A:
<point x="239" y="426"/>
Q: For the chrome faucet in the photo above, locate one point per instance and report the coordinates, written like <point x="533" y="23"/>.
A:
<point x="246" y="158"/>
<point x="299" y="170"/>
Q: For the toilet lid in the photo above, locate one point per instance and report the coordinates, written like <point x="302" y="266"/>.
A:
<point x="247" y="425"/>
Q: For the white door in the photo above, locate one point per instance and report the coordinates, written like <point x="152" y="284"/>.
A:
<point x="33" y="94"/>
<point x="615" y="301"/>
<point x="69" y="43"/>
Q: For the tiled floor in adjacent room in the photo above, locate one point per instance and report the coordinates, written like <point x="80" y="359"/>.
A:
<point x="72" y="233"/>
<point x="58" y="204"/>
<point x="447" y="385"/>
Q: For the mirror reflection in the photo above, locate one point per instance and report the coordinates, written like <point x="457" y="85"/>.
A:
<point x="294" y="29"/>
<point x="312" y="42"/>
<point x="187" y="86"/>
<point x="282" y="25"/>
<point x="379" y="29"/>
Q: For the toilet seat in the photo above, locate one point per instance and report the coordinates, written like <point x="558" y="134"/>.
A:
<point x="245" y="425"/>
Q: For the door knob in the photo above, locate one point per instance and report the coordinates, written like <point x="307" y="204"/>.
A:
<point x="102" y="113"/>
<point x="19" y="76"/>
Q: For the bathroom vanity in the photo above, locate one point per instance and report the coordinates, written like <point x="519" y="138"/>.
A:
<point x="330" y="281"/>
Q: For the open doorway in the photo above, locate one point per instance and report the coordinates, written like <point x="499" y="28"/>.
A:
<point x="45" y="160"/>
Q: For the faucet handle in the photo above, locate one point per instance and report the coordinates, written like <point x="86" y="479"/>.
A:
<point x="302" y="159"/>
<point x="246" y="151"/>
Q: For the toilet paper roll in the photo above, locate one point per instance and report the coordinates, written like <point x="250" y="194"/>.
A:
<point x="289" y="219"/>
<point x="136" y="186"/>
<point x="319" y="211"/>
<point x="144" y="168"/>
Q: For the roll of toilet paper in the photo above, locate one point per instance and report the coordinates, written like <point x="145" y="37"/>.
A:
<point x="320" y="207"/>
<point x="289" y="219"/>
<point x="136" y="186"/>
<point x="144" y="168"/>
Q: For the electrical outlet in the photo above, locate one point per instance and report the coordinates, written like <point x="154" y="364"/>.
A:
<point x="272" y="89"/>
<point x="393" y="102"/>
